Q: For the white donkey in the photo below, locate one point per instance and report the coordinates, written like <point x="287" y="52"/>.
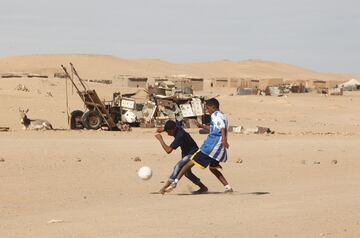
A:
<point x="33" y="124"/>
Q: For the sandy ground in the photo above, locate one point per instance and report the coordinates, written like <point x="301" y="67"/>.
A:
<point x="287" y="185"/>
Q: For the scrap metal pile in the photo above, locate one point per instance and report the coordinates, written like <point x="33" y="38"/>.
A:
<point x="166" y="101"/>
<point x="162" y="102"/>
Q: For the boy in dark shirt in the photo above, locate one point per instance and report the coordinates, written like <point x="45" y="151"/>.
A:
<point x="188" y="148"/>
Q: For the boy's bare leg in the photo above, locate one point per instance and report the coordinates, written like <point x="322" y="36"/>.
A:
<point x="195" y="180"/>
<point x="222" y="179"/>
<point x="219" y="176"/>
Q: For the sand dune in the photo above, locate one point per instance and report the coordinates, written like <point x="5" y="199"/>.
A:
<point x="106" y="67"/>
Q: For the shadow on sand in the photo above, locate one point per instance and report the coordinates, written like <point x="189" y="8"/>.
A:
<point x="215" y="193"/>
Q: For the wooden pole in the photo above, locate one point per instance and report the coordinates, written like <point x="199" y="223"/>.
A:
<point x="67" y="101"/>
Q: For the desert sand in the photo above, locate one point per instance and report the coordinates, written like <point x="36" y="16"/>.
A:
<point x="301" y="181"/>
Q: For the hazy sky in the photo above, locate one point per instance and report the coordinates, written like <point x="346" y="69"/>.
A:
<point x="323" y="35"/>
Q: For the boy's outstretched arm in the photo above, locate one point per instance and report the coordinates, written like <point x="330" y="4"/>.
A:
<point x="167" y="148"/>
<point x="206" y="127"/>
<point x="224" y="138"/>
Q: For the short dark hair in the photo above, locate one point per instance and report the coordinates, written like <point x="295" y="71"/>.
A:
<point x="169" y="125"/>
<point x="213" y="102"/>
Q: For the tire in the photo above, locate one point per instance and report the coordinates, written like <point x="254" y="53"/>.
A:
<point x="92" y="120"/>
<point x="75" y="120"/>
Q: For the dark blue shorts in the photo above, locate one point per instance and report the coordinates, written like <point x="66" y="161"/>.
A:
<point x="202" y="160"/>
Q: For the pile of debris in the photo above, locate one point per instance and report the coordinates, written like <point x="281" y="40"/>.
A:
<point x="247" y="131"/>
<point x="274" y="90"/>
<point x="165" y="101"/>
<point x="336" y="91"/>
<point x="151" y="107"/>
<point x="103" y="81"/>
<point x="22" y="87"/>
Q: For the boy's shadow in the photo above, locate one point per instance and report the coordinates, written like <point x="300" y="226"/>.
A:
<point x="215" y="193"/>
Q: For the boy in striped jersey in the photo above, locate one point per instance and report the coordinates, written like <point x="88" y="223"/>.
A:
<point x="214" y="148"/>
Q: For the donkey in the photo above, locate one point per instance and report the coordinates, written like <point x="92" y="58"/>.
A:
<point x="33" y="124"/>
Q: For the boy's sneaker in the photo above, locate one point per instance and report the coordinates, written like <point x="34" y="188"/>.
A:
<point x="168" y="189"/>
<point x="173" y="184"/>
<point x="228" y="190"/>
<point x="200" y="191"/>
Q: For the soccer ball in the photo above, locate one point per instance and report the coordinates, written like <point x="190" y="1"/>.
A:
<point x="145" y="173"/>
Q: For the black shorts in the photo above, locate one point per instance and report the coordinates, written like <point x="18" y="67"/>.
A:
<point x="202" y="160"/>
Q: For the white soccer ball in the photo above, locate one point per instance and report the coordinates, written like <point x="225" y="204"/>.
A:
<point x="145" y="173"/>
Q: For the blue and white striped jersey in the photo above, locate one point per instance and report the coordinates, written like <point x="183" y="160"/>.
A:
<point x="212" y="146"/>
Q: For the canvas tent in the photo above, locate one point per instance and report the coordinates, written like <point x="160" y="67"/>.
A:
<point x="350" y="85"/>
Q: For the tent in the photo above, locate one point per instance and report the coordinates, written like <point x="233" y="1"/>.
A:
<point x="350" y="85"/>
